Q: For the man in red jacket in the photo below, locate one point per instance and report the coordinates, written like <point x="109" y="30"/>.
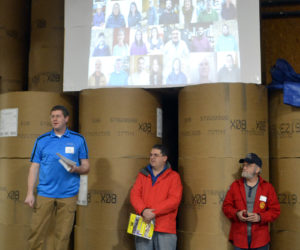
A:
<point x="251" y="203"/>
<point x="156" y="195"/>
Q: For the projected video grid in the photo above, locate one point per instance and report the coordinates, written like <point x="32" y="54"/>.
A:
<point x="163" y="43"/>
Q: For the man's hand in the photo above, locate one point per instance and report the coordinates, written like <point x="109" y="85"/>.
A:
<point x="32" y="176"/>
<point x="253" y="217"/>
<point x="30" y="199"/>
<point x="240" y="214"/>
<point x="73" y="169"/>
<point x="148" y="215"/>
<point x="84" y="168"/>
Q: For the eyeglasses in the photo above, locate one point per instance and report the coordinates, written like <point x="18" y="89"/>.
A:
<point x="155" y="155"/>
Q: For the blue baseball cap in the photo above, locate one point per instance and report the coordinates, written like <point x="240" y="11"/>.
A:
<point x="252" y="158"/>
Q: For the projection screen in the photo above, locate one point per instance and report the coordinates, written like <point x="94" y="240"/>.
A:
<point x="160" y="43"/>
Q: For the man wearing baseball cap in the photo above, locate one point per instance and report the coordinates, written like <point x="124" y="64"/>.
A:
<point x="250" y="204"/>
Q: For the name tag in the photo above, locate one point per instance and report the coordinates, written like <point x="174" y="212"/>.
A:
<point x="69" y="150"/>
<point x="263" y="198"/>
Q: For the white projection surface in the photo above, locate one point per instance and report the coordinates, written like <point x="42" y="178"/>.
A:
<point x="160" y="43"/>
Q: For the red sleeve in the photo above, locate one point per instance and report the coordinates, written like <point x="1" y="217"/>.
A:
<point x="273" y="210"/>
<point x="228" y="204"/>
<point x="136" y="195"/>
<point x="174" y="197"/>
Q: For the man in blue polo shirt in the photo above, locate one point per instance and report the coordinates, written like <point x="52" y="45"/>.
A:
<point x="58" y="188"/>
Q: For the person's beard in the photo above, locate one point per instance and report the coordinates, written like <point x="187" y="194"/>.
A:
<point x="248" y="175"/>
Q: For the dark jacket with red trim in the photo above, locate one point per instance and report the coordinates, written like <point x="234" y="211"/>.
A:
<point x="164" y="197"/>
<point x="268" y="209"/>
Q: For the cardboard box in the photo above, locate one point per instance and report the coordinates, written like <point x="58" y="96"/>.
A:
<point x="223" y="120"/>
<point x="13" y="190"/>
<point x="109" y="185"/>
<point x="13" y="237"/>
<point x="287" y="240"/>
<point x="205" y="219"/>
<point x="218" y="125"/>
<point x="119" y="122"/>
<point x="285" y="178"/>
<point x="13" y="60"/>
<point x="10" y="85"/>
<point x="47" y="38"/>
<point x="14" y="15"/>
<point x="284" y="127"/>
<point x="218" y="173"/>
<point x="111" y="211"/>
<point x="46" y="69"/>
<point x="104" y="239"/>
<point x="191" y="241"/>
<point x="33" y="119"/>
<point x="114" y="172"/>
<point x="47" y="14"/>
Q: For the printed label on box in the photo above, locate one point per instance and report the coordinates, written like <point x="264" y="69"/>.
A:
<point x="9" y="122"/>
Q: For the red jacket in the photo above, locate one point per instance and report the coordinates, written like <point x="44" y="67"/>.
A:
<point x="266" y="205"/>
<point x="164" y="197"/>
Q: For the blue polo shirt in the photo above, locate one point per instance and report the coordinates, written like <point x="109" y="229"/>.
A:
<point x="54" y="180"/>
<point x="118" y="79"/>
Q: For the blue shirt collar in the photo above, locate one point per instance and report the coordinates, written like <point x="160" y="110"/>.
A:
<point x="67" y="133"/>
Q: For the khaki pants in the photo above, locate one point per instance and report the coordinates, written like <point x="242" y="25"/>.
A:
<point x="63" y="211"/>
